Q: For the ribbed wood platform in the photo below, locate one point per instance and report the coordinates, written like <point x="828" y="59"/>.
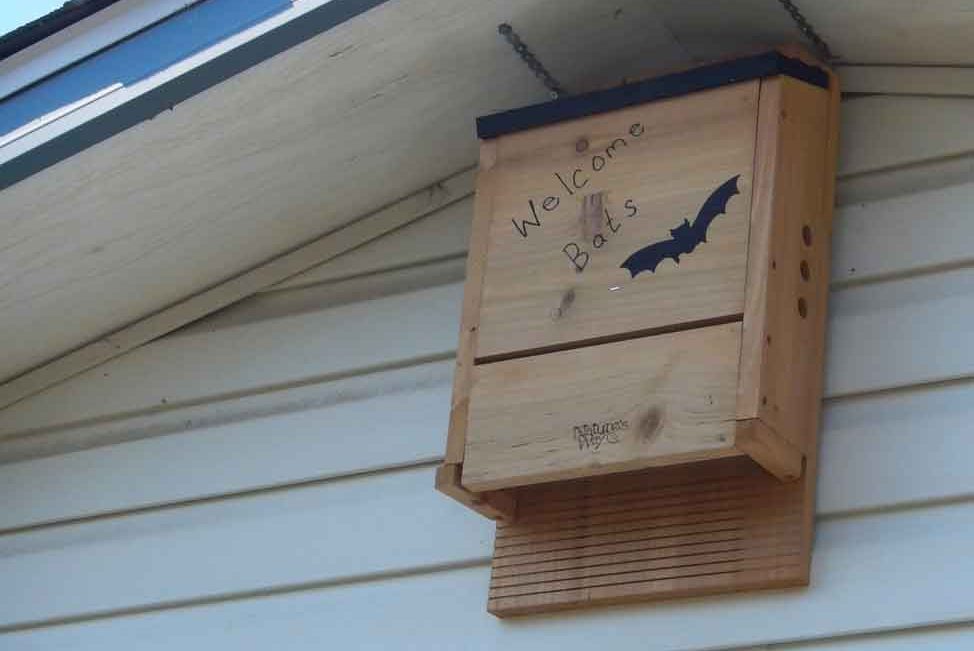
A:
<point x="656" y="533"/>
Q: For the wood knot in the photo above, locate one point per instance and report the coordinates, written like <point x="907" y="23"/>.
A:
<point x="650" y="425"/>
<point x="566" y="302"/>
<point x="591" y="215"/>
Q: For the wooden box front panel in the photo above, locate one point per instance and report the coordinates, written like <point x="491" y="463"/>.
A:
<point x="569" y="203"/>
<point x="601" y="409"/>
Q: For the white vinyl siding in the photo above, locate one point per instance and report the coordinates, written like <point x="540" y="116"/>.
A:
<point x="263" y="478"/>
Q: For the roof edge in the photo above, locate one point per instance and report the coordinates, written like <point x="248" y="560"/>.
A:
<point x="172" y="92"/>
<point x="68" y="14"/>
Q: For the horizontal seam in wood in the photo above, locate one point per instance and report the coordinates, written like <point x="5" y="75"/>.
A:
<point x="407" y="266"/>
<point x="542" y="591"/>
<point x="615" y="338"/>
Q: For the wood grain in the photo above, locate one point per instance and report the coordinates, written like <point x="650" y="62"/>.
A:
<point x="754" y="331"/>
<point x="667" y="532"/>
<point x="769" y="449"/>
<point x="328" y="247"/>
<point x="599" y="409"/>
<point x="560" y="283"/>
<point x="270" y="159"/>
<point x="783" y="342"/>
<point x="797" y="285"/>
<point x="495" y="506"/>
<point x="470" y="309"/>
<point x="498" y="505"/>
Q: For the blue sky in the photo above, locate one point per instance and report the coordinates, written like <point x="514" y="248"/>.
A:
<point x="14" y="13"/>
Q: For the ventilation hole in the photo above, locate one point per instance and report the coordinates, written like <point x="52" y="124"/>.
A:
<point x="802" y="308"/>
<point x="806" y="273"/>
<point x="764" y="400"/>
<point x="774" y="264"/>
<point x="768" y="339"/>
<point x="807" y="235"/>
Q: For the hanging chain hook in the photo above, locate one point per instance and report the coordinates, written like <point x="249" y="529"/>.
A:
<point x="806" y="28"/>
<point x="554" y="88"/>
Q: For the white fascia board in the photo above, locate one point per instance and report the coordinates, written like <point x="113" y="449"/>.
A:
<point x="329" y="14"/>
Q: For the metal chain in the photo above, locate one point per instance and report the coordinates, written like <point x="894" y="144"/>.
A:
<point x="532" y="61"/>
<point x="806" y="28"/>
<point x="556" y="90"/>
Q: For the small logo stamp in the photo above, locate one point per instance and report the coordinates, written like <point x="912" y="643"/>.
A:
<point x="592" y="436"/>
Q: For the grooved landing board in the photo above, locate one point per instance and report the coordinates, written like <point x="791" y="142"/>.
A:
<point x="719" y="527"/>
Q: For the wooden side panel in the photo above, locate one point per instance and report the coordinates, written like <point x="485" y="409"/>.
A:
<point x="600" y="409"/>
<point x="784" y="322"/>
<point x="496" y="505"/>
<point x="754" y="336"/>
<point x="470" y="310"/>
<point x="660" y="533"/>
<point x="572" y="202"/>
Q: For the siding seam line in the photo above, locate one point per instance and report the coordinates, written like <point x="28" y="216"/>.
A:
<point x="231" y="597"/>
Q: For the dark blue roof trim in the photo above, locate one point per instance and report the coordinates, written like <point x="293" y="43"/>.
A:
<point x="181" y="88"/>
<point x="769" y="64"/>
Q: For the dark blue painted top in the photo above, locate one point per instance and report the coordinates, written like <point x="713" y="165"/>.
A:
<point x="769" y="64"/>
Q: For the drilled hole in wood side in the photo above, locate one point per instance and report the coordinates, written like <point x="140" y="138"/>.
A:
<point x="807" y="235"/>
<point x="774" y="265"/>
<point x="768" y="340"/>
<point x="805" y="271"/>
<point x="764" y="400"/>
<point x="802" y="308"/>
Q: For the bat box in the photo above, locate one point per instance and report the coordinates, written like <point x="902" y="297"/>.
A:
<point x="639" y="373"/>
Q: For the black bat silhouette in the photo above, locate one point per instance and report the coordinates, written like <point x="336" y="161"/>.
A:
<point x="685" y="237"/>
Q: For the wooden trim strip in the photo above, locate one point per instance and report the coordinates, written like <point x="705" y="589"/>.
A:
<point x="325" y="248"/>
<point x="768" y="448"/>
<point x="496" y="506"/>
<point x="456" y="439"/>
<point x="934" y="81"/>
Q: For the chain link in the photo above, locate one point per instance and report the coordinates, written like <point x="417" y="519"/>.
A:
<point x="554" y="88"/>
<point x="806" y="28"/>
